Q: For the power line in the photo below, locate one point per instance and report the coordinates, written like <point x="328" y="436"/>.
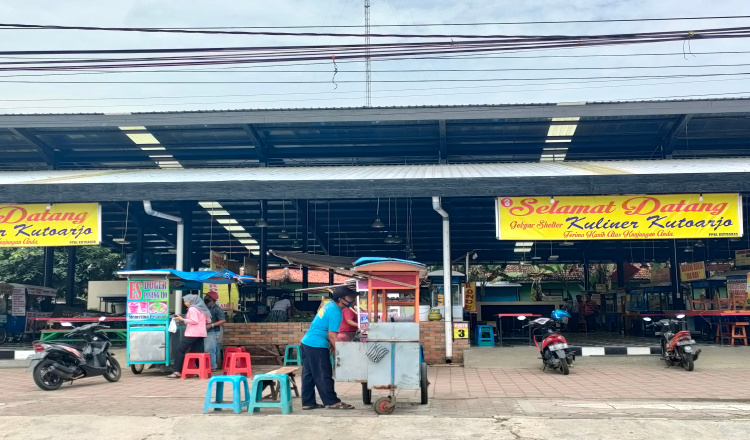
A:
<point x="495" y="23"/>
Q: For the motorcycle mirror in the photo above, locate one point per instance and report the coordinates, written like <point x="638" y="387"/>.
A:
<point x="102" y="318"/>
<point x="647" y="319"/>
<point x="66" y="324"/>
<point x="680" y="316"/>
<point x="521" y="318"/>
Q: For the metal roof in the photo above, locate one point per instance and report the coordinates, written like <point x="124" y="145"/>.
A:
<point x="337" y="162"/>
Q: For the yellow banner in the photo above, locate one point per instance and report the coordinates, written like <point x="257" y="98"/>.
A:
<point x="693" y="271"/>
<point x="73" y="224"/>
<point x="470" y="297"/>
<point x="228" y="298"/>
<point x="634" y="217"/>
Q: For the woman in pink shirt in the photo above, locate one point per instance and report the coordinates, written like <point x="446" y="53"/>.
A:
<point x="198" y="317"/>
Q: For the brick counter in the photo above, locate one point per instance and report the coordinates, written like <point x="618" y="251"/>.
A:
<point x="271" y="334"/>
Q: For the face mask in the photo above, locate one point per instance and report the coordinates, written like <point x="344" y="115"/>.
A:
<point x="349" y="304"/>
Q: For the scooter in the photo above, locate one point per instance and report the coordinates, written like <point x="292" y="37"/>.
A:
<point x="53" y="364"/>
<point x="676" y="344"/>
<point x="552" y="345"/>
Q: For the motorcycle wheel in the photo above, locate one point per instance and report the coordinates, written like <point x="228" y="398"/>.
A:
<point x="688" y="363"/>
<point x="3" y="335"/>
<point x="114" y="372"/>
<point x="564" y="367"/>
<point x="44" y="379"/>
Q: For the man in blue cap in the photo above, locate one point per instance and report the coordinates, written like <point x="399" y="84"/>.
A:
<point x="317" y="345"/>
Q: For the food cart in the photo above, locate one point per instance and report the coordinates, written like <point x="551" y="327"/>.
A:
<point x="388" y="357"/>
<point x="19" y="307"/>
<point x="150" y="293"/>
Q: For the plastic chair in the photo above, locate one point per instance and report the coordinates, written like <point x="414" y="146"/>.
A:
<point x="285" y="395"/>
<point x="239" y="363"/>
<point x="738" y="332"/>
<point x="227" y="352"/>
<point x="297" y="359"/>
<point x="202" y="368"/>
<point x="485" y="336"/>
<point x="237" y="402"/>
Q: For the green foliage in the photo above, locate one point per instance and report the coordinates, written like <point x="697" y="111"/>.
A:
<point x="26" y="266"/>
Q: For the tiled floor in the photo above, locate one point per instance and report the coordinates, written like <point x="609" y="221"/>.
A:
<point x="454" y="391"/>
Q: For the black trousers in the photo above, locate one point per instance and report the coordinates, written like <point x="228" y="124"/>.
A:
<point x="317" y="372"/>
<point x="187" y="345"/>
<point x="573" y="322"/>
<point x="590" y="322"/>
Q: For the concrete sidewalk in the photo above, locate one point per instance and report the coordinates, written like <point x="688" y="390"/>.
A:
<point x="200" y="427"/>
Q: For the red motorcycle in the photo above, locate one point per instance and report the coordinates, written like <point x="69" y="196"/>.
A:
<point x="552" y="345"/>
<point x="676" y="344"/>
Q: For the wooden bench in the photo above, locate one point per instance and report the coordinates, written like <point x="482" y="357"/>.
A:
<point x="289" y="371"/>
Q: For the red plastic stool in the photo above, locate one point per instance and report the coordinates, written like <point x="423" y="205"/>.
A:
<point x="203" y="362"/>
<point x="227" y="352"/>
<point x="239" y="363"/>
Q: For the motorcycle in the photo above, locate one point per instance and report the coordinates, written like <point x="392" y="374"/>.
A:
<point x="55" y="363"/>
<point x="676" y="344"/>
<point x="552" y="345"/>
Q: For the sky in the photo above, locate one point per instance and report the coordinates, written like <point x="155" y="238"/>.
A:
<point x="486" y="79"/>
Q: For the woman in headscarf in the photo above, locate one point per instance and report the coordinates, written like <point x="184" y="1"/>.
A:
<point x="198" y="317"/>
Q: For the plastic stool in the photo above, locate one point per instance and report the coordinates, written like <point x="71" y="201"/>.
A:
<point x="485" y="336"/>
<point x="297" y="359"/>
<point x="237" y="402"/>
<point x="239" y="363"/>
<point x="227" y="352"/>
<point x="202" y="368"/>
<point x="285" y="395"/>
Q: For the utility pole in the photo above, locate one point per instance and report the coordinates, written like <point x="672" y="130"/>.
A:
<point x="368" y="67"/>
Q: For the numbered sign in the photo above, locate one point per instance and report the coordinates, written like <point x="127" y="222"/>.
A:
<point x="460" y="330"/>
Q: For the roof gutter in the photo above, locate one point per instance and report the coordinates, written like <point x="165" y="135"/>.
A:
<point x="448" y="301"/>
<point x="180" y="245"/>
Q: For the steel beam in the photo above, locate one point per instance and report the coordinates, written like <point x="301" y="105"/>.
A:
<point x="671" y="137"/>
<point x="45" y="151"/>
<point x="260" y="146"/>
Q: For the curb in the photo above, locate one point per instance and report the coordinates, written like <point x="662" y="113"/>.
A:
<point x="616" y="351"/>
<point x="15" y="355"/>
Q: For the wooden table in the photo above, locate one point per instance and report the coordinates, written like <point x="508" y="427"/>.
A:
<point x="499" y="322"/>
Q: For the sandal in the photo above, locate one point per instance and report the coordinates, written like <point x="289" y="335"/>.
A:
<point x="174" y="376"/>
<point x="341" y="405"/>
<point x="316" y="406"/>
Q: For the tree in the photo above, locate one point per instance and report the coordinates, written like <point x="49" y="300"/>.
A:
<point x="26" y="266"/>
<point x="484" y="274"/>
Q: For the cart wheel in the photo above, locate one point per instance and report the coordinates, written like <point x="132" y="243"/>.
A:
<point x="366" y="394"/>
<point x="383" y="406"/>
<point x="423" y="384"/>
<point x="136" y="368"/>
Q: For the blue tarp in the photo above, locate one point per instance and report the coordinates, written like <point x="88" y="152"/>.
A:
<point x="372" y="260"/>
<point x="205" y="277"/>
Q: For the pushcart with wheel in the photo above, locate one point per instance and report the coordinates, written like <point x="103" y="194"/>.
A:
<point x="388" y="359"/>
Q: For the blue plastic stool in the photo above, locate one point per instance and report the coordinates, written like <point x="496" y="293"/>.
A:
<point x="485" y="336"/>
<point x="285" y="394"/>
<point x="237" y="403"/>
<point x="297" y="359"/>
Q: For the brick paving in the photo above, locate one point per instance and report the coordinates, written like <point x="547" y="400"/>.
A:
<point x="454" y="392"/>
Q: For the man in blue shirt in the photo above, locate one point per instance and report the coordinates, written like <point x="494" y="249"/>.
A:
<point x="317" y="345"/>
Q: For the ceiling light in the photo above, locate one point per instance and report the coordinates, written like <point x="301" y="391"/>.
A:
<point x="412" y="256"/>
<point x="226" y="221"/>
<point x="524" y="243"/>
<point x="688" y="250"/>
<point x="143" y="138"/>
<point x="284" y="234"/>
<point x="545" y="149"/>
<point x="296" y="244"/>
<point x="133" y="128"/>
<point x="153" y="149"/>
<point x="700" y="198"/>
<point x="217" y="212"/>
<point x="232" y="228"/>
<point x="211" y="205"/>
<point x="245" y="241"/>
<point x="120" y="241"/>
<point x="261" y="223"/>
<point x="552" y="141"/>
<point x="567" y="243"/>
<point x="536" y="258"/>
<point x="389" y="239"/>
<point x="474" y="256"/>
<point x="378" y="224"/>
<point x="522" y="249"/>
<point x="552" y="199"/>
<point x="700" y="244"/>
<point x="241" y="234"/>
<point x="397" y="239"/>
<point x="553" y="257"/>
<point x="408" y="248"/>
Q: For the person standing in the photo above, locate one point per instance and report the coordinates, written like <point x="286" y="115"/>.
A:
<point x="349" y="325"/>
<point x="589" y="313"/>
<point x="317" y="345"/>
<point x="197" y="319"/>
<point x="212" y="344"/>
<point x="281" y="310"/>
<point x="575" y="313"/>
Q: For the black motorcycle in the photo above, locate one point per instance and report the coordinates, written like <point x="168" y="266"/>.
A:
<point x="55" y="363"/>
